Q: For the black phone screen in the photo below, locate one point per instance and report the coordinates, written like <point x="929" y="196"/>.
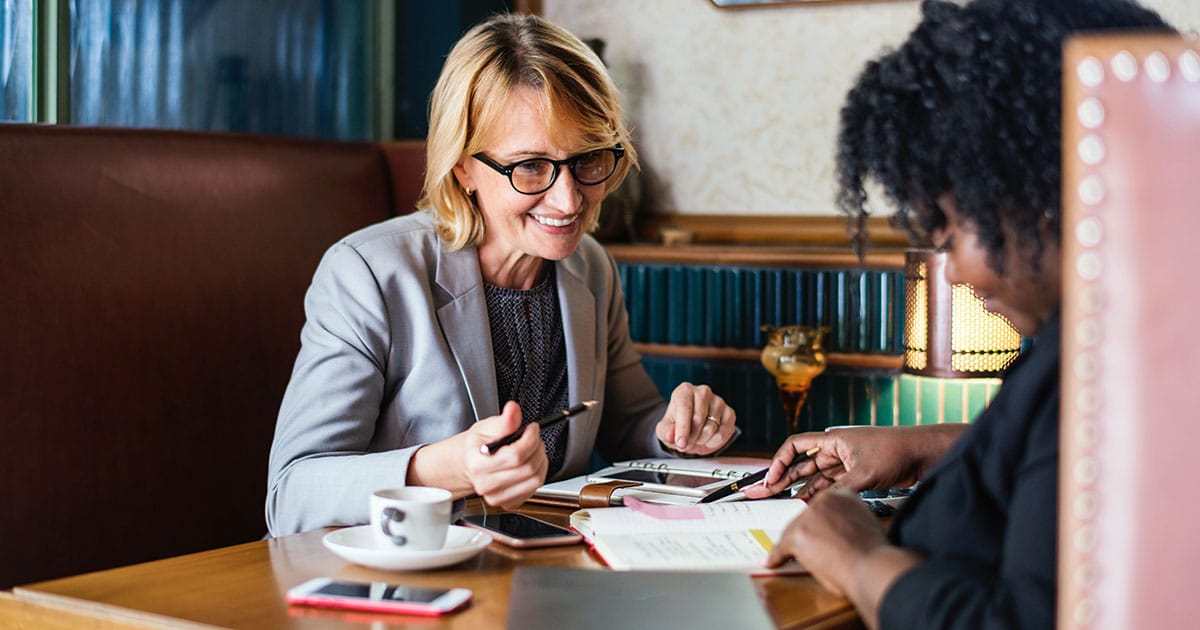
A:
<point x="517" y="525"/>
<point x="661" y="478"/>
<point x="381" y="592"/>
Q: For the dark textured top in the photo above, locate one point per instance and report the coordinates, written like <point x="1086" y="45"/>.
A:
<point x="985" y="517"/>
<point x="531" y="356"/>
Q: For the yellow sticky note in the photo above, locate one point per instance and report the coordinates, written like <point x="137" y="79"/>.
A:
<point x="763" y="539"/>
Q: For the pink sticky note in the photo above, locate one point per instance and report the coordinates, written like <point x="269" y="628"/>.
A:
<point x="666" y="512"/>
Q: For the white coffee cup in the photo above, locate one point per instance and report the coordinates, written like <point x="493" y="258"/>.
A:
<point x="413" y="518"/>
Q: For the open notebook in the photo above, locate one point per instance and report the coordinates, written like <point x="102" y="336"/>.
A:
<point x="712" y="537"/>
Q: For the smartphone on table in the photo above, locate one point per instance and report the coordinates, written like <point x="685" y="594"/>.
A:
<point x="378" y="597"/>
<point x="519" y="530"/>
<point x="659" y="481"/>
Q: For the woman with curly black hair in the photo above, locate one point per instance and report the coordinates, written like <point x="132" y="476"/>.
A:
<point x="960" y="128"/>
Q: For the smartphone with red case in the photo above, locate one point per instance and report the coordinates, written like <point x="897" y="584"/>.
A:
<point x="378" y="597"/>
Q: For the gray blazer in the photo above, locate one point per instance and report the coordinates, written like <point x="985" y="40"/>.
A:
<point x="396" y="352"/>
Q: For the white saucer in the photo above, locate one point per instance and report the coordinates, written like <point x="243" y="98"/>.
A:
<point x="358" y="545"/>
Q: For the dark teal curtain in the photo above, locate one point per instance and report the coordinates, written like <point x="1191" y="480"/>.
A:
<point x="290" y="67"/>
<point x="16" y="59"/>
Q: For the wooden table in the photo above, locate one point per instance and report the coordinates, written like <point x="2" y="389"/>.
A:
<point x="243" y="587"/>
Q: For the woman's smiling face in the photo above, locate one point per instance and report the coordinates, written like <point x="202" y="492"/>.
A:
<point x="1025" y="295"/>
<point x="523" y="230"/>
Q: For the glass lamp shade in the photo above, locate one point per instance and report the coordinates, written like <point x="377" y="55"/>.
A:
<point x="947" y="331"/>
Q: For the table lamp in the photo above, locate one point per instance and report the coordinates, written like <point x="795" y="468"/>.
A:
<point x="947" y="331"/>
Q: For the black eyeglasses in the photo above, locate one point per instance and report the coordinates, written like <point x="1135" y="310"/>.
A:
<point x="537" y="175"/>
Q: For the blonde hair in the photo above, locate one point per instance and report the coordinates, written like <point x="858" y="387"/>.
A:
<point x="482" y="72"/>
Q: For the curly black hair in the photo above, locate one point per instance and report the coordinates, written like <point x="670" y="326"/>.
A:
<point x="970" y="104"/>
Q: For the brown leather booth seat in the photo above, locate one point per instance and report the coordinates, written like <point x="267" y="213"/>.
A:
<point x="153" y="286"/>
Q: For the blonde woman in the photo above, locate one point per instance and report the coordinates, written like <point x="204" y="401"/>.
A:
<point x="433" y="334"/>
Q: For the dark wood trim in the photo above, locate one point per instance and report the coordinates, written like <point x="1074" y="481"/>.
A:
<point x="751" y="255"/>
<point x="527" y="6"/>
<point x="840" y="359"/>
<point x="772" y="4"/>
<point x="739" y="229"/>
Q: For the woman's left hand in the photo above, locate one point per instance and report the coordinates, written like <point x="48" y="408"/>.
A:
<point x="829" y="537"/>
<point x="842" y="544"/>
<point x="697" y="422"/>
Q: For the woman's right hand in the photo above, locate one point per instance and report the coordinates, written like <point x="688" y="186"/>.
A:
<point x="857" y="458"/>
<point x="512" y="474"/>
<point x="504" y="479"/>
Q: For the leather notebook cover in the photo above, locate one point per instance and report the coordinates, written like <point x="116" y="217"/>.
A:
<point x="558" y="597"/>
<point x="577" y="492"/>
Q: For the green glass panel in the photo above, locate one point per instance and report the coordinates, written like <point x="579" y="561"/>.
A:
<point x="953" y="400"/>
<point x="930" y="391"/>
<point x="886" y="399"/>
<point x="862" y="397"/>
<point x="980" y="394"/>
<point x="909" y="400"/>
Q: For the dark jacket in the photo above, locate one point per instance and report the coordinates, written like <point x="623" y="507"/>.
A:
<point x="985" y="517"/>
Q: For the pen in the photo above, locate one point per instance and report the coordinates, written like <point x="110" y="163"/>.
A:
<point x="724" y="491"/>
<point x="546" y="421"/>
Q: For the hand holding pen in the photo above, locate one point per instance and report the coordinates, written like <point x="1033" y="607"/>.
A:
<point x="858" y="458"/>
<point x="749" y="480"/>
<point x="793" y="464"/>
<point x="549" y="420"/>
<point x="506" y="478"/>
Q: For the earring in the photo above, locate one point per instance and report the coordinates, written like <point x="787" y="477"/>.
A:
<point x="469" y="191"/>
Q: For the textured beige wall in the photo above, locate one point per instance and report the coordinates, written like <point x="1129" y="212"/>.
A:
<point x="735" y="111"/>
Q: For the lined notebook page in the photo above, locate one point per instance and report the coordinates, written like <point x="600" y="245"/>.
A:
<point x="767" y="514"/>
<point x="719" y="467"/>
